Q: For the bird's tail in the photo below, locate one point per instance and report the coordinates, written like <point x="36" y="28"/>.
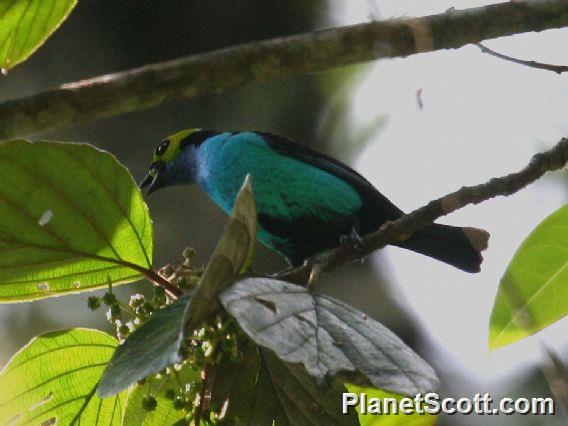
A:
<point x="459" y="247"/>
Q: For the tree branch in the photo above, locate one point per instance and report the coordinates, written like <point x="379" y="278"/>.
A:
<point x="558" y="69"/>
<point x="404" y="227"/>
<point x="221" y="70"/>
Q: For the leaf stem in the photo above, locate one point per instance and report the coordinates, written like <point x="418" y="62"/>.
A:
<point x="157" y="279"/>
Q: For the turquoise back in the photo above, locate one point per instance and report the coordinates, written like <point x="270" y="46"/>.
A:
<point x="283" y="186"/>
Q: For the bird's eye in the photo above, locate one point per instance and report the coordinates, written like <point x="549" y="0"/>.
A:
<point x="161" y="149"/>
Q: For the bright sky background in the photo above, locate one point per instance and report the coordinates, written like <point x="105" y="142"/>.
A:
<point x="482" y="118"/>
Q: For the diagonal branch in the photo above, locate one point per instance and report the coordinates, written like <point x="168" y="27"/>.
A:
<point x="221" y="70"/>
<point x="558" y="69"/>
<point x="400" y="229"/>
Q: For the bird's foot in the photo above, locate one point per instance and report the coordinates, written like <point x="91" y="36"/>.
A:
<point x="353" y="239"/>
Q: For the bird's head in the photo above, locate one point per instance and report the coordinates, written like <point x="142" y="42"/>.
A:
<point x="174" y="161"/>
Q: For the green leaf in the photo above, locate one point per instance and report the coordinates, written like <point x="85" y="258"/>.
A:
<point x="327" y="336"/>
<point x="164" y="413"/>
<point x="55" y="377"/>
<point x="261" y="388"/>
<point x="533" y="292"/>
<point x="148" y="350"/>
<point x="71" y="219"/>
<point x="26" y="24"/>
<point x="414" y="419"/>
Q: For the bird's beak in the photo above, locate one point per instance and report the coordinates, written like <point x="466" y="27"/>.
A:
<point x="151" y="179"/>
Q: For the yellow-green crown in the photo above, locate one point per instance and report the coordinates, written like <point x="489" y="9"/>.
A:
<point x="170" y="147"/>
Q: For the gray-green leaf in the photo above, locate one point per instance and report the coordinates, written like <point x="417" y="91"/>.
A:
<point x="152" y="347"/>
<point x="55" y="377"/>
<point x="71" y="219"/>
<point x="232" y="257"/>
<point x="327" y="336"/>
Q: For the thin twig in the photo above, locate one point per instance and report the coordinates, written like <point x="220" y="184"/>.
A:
<point x="204" y="399"/>
<point x="374" y="12"/>
<point x="258" y="62"/>
<point x="405" y="226"/>
<point x="558" y="69"/>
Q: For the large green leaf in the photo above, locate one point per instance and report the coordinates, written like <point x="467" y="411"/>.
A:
<point x="55" y="377"/>
<point x="71" y="219"/>
<point x="26" y="24"/>
<point x="533" y="292"/>
<point x="328" y="337"/>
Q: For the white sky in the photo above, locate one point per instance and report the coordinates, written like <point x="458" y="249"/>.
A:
<point x="482" y="118"/>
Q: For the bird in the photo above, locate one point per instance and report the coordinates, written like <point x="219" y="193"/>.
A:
<point x="307" y="202"/>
